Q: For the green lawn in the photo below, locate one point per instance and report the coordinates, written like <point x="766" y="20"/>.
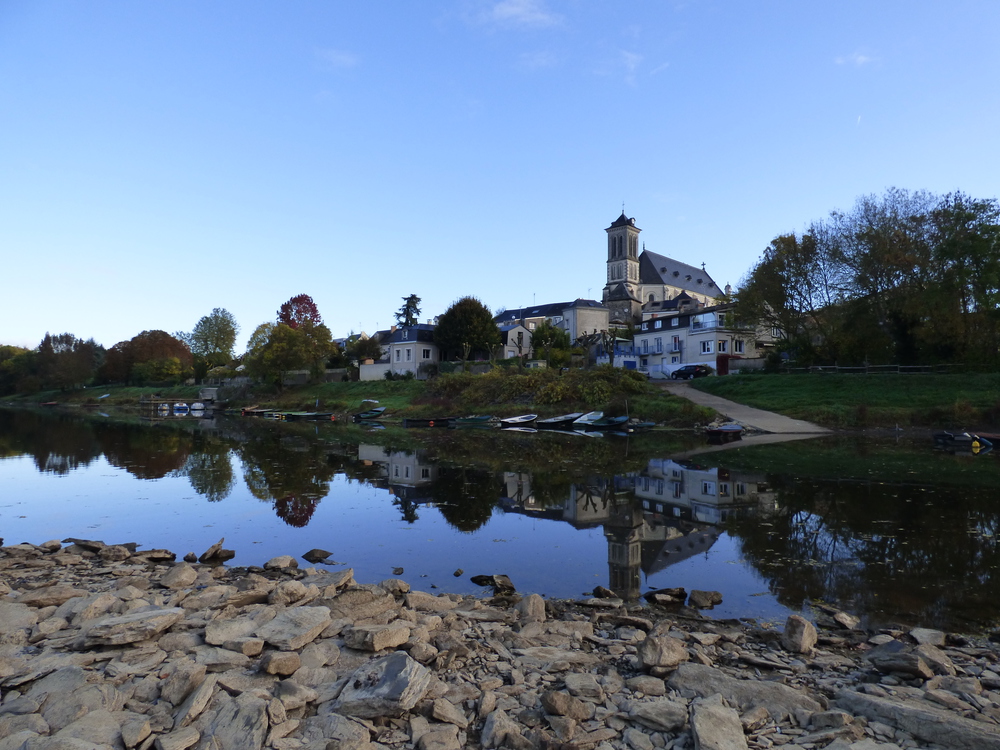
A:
<point x="970" y="401"/>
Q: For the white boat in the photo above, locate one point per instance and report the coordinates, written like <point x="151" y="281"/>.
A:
<point x="587" y="419"/>
<point x="179" y="407"/>
<point x="197" y="406"/>
<point x="520" y="421"/>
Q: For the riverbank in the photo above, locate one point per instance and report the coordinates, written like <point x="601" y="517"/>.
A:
<point x="109" y="646"/>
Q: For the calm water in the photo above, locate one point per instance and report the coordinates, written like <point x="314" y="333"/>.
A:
<point x="891" y="530"/>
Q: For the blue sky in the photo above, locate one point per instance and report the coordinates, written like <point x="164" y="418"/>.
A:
<point x="158" y="160"/>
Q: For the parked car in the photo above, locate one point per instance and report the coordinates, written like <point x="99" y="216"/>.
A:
<point x="691" y="371"/>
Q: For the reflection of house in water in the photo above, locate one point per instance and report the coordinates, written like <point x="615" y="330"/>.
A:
<point x="407" y="476"/>
<point x="654" y="519"/>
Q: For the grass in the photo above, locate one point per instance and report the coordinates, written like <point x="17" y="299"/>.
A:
<point x="967" y="401"/>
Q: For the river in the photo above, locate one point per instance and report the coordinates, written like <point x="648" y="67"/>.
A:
<point x="887" y="528"/>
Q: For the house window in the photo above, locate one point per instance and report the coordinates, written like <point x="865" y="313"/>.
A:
<point x="406" y="472"/>
<point x="675" y="360"/>
<point x="408" y="355"/>
<point x="644" y="362"/>
<point x="723" y="346"/>
<point x="426" y="354"/>
<point x="406" y="334"/>
<point x="425" y="473"/>
<point x="645" y="346"/>
<point x="398" y="355"/>
<point x="708" y="488"/>
<point x="722" y="320"/>
<point x="706" y="347"/>
<point x="658" y="324"/>
<point x="723" y="489"/>
<point x="658" y="343"/>
<point x="531" y="326"/>
<point x="738" y="346"/>
<point x="673" y="322"/>
<point x="741" y="488"/>
<point x="776" y="333"/>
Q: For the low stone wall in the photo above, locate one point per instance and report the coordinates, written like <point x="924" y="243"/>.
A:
<point x="109" y="647"/>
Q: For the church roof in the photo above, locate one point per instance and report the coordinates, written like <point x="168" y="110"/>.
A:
<point x="659" y="269"/>
<point x="543" y="311"/>
<point x="622" y="221"/>
<point x="620" y="292"/>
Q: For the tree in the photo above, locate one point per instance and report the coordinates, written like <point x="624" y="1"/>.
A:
<point x="409" y="313"/>
<point x="64" y="361"/>
<point x="547" y="337"/>
<point x="364" y="347"/>
<point x="214" y="337"/>
<point x="466" y="327"/>
<point x="299" y="310"/>
<point x="151" y="356"/>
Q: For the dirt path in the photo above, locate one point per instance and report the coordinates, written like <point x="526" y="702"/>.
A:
<point x="758" y="419"/>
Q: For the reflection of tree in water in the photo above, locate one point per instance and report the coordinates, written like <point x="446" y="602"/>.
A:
<point x="145" y="452"/>
<point x="407" y="508"/>
<point x="890" y="551"/>
<point x="294" y="474"/>
<point x="57" y="443"/>
<point x="209" y="469"/>
<point x="550" y="489"/>
<point x="465" y="496"/>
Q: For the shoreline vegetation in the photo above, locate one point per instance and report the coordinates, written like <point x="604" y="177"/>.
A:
<point x="969" y="401"/>
<point x="111" y="646"/>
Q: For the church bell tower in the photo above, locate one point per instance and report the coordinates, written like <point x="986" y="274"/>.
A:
<point x="622" y="285"/>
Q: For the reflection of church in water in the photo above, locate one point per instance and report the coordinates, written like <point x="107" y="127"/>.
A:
<point x="669" y="512"/>
<point x="653" y="519"/>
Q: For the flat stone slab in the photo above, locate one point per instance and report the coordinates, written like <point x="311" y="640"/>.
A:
<point x="389" y="686"/>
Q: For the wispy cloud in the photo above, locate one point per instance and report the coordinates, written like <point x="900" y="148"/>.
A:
<point x="856" y="59"/>
<point x="659" y="68"/>
<point x="524" y="13"/>
<point x="536" y="60"/>
<point x="631" y="62"/>
<point x="337" y="59"/>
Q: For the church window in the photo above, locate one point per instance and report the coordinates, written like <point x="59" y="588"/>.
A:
<point x="652" y="297"/>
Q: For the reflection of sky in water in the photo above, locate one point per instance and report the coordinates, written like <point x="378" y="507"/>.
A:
<point x="357" y="523"/>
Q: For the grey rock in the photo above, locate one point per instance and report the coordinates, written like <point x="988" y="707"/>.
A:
<point x="16" y="616"/>
<point x="661" y="715"/>
<point x="220" y="631"/>
<point x="704" y="599"/>
<point x="936" y="659"/>
<point x="49" y="596"/>
<point x="585" y="686"/>
<point x="497" y="728"/>
<point x="662" y="651"/>
<point x="904" y="662"/>
<point x="424" y="602"/>
<point x="180" y="739"/>
<point x="376" y="637"/>
<point x="131" y="627"/>
<point x="925" y="722"/>
<point x="281" y="562"/>
<point x="560" y="703"/>
<point x="647" y="685"/>
<point x="316" y="555"/>
<point x="637" y="739"/>
<point x="927" y="637"/>
<point x="531" y="608"/>
<point x="715" y="726"/>
<point x="240" y="724"/>
<point x="195" y="703"/>
<point x="294" y="628"/>
<point x="800" y="635"/>
<point x="446" y="711"/>
<point x="388" y="686"/>
<point x="179" y="577"/>
<point x="702" y="681"/>
<point x="282" y="663"/>
<point x="98" y="726"/>
<point x="217" y="659"/>
<point x="333" y="726"/>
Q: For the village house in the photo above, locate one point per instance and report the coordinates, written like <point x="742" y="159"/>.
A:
<point x="405" y="349"/>
<point x="577" y="318"/>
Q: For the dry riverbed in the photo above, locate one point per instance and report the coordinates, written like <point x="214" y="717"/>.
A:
<point x="109" y="647"/>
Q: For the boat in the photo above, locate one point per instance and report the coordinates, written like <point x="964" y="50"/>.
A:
<point x="607" y="423"/>
<point x="636" y="426"/>
<point x="558" y="423"/>
<point x="255" y="411"/>
<point x="293" y="416"/>
<point x="486" y="420"/>
<point x="197" y="406"/>
<point x="432" y="422"/>
<point x="180" y="408"/>
<point x="963" y="442"/>
<point x="583" y="422"/>
<point x="522" y="420"/>
<point x="375" y="413"/>
<point x="518" y="429"/>
<point x="724" y="433"/>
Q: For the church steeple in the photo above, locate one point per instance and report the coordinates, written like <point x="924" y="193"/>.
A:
<point x="623" y="252"/>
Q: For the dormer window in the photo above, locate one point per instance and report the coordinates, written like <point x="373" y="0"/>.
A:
<point x="406" y="334"/>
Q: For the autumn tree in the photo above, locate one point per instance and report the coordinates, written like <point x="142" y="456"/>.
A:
<point x="151" y="357"/>
<point x="409" y="313"/>
<point x="466" y="328"/>
<point x="65" y="361"/>
<point x="298" y="311"/>
<point x="214" y="337"/>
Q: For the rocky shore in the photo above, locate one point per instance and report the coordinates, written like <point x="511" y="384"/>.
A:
<point x="105" y="646"/>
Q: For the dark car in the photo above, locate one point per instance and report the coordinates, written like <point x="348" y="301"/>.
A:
<point x="691" y="371"/>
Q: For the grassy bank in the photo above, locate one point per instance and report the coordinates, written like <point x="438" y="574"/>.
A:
<point x="501" y="392"/>
<point x="966" y="401"/>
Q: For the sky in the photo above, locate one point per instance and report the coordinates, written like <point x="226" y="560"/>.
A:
<point x="159" y="160"/>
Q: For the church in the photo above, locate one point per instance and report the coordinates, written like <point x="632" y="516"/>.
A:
<point x="639" y="282"/>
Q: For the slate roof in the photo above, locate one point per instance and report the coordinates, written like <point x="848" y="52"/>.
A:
<point x="622" y="221"/>
<point x="421" y="332"/>
<point x="659" y="269"/>
<point x="543" y="311"/>
<point x="621" y="292"/>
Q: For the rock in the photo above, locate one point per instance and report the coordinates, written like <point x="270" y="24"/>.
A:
<point x="458" y="573"/>
<point x="647" y="685"/>
<point x="294" y="628"/>
<point x="282" y="562"/>
<point x="497" y="728"/>
<point x="661" y="715"/>
<point x="446" y="711"/>
<point x="423" y="602"/>
<point x="799" y="636"/>
<point x="282" y="663"/>
<point x="936" y="659"/>
<point x="715" y="726"/>
<point x="845" y="620"/>
<point x="586" y="687"/>
<point x="531" y="608"/>
<point x="666" y="596"/>
<point x="195" y="703"/>
<point x="925" y="722"/>
<point x="132" y="627"/>
<point x="287" y="592"/>
<point x="316" y="555"/>
<point x="927" y="637"/>
<point x="376" y="637"/>
<point x="662" y="651"/>
<point x="179" y="577"/>
<point x="190" y="557"/>
<point x="183" y="678"/>
<point x="49" y="596"/>
<point x="240" y="724"/>
<point x="779" y="700"/>
<point x="704" y="599"/>
<point x="903" y="662"/>
<point x="563" y="704"/>
<point x="501" y="583"/>
<point x="15" y="616"/>
<point x="388" y="686"/>
<point x="114" y="553"/>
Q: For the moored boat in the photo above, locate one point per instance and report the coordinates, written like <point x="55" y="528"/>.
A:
<point x="587" y="419"/>
<point x="523" y="420"/>
<point x="375" y="413"/>
<point x="486" y="420"/>
<point x="607" y="423"/>
<point x="293" y="416"/>
<point x="963" y="442"/>
<point x="724" y="433"/>
<point x="562" y="422"/>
